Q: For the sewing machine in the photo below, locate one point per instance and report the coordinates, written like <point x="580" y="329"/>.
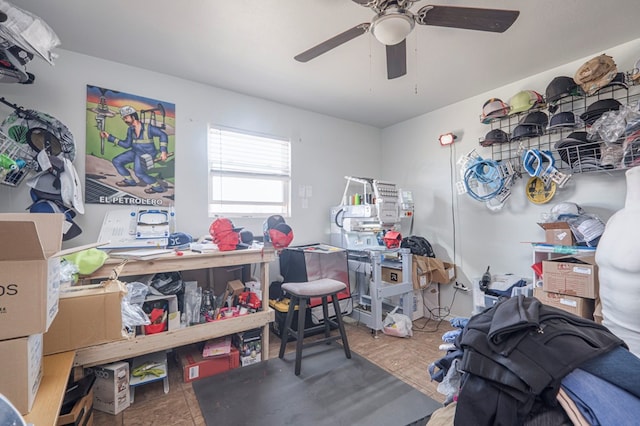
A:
<point x="369" y="209"/>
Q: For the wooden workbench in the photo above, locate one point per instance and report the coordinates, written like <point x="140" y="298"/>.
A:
<point x="46" y="406"/>
<point x="122" y="349"/>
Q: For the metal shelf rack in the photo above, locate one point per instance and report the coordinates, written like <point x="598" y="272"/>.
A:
<point x="512" y="151"/>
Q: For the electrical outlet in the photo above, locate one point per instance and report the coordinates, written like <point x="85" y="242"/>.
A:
<point x="460" y="286"/>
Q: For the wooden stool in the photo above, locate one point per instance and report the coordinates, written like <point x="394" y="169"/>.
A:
<point x="299" y="294"/>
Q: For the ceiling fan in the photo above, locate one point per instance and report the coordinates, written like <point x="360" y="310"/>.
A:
<point x="394" y="21"/>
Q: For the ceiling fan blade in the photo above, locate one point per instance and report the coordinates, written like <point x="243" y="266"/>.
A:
<point x="397" y="60"/>
<point x="470" y="18"/>
<point x="333" y="42"/>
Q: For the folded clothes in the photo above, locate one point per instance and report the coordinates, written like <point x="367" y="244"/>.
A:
<point x="595" y="397"/>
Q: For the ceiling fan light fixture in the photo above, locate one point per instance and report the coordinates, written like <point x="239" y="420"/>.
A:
<point x="392" y="27"/>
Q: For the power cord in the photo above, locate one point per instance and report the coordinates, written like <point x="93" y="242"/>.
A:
<point x="442" y="314"/>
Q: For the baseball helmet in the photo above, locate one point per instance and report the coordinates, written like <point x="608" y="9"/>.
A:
<point x="620" y="81"/>
<point x="563" y="119"/>
<point x="561" y="87"/>
<point x="277" y="232"/>
<point x="494" y="108"/>
<point x="522" y="131"/>
<point x="537" y="118"/>
<point x="224" y="234"/>
<point x="524" y="101"/>
<point x="576" y="148"/>
<point x="495" y="136"/>
<point x="596" y="109"/>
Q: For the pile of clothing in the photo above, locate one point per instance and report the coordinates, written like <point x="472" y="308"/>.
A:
<point x="521" y="362"/>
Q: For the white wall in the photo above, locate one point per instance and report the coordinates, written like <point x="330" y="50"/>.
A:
<point x="324" y="149"/>
<point x="481" y="237"/>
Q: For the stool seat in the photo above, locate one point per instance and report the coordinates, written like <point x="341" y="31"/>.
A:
<point x="299" y="295"/>
<point x="317" y="288"/>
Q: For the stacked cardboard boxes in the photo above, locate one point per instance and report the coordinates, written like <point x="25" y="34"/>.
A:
<point x="29" y="299"/>
<point x="570" y="283"/>
<point x="29" y="287"/>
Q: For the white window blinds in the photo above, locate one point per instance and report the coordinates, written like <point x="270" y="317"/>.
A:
<point x="249" y="175"/>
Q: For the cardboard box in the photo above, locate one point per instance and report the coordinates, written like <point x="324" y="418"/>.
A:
<point x="21" y="370"/>
<point x="597" y="311"/>
<point x="30" y="265"/>
<point x="80" y="414"/>
<point x="249" y="344"/>
<point x="558" y="233"/>
<point x="571" y="275"/>
<point x="424" y="271"/>
<point x="576" y="305"/>
<point x="195" y="367"/>
<point x="417" y="307"/>
<point x="111" y="388"/>
<point x="391" y="275"/>
<point x="87" y="316"/>
<point x="235" y="287"/>
<point x="428" y="270"/>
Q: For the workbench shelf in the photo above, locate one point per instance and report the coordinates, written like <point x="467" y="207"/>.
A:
<point x="123" y="349"/>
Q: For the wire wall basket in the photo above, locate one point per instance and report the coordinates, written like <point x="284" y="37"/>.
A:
<point x="17" y="161"/>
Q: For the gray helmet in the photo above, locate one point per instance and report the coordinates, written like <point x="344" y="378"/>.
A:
<point x="127" y="110"/>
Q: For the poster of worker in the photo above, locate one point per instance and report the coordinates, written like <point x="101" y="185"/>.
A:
<point x="130" y="149"/>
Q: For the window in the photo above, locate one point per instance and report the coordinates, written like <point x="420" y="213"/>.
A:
<point x="249" y="175"/>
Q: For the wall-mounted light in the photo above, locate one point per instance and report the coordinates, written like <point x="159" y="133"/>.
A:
<point x="447" y="138"/>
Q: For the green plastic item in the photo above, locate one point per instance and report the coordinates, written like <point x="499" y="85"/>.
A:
<point x="87" y="261"/>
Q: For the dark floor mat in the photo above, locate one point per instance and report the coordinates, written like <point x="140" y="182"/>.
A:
<point x="330" y="390"/>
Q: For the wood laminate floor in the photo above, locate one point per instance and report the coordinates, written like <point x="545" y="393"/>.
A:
<point x="406" y="358"/>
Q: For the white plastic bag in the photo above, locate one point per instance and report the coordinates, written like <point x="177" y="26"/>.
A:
<point x="132" y="313"/>
<point x="398" y="325"/>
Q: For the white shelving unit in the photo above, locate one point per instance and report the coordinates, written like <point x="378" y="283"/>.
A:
<point x="375" y="293"/>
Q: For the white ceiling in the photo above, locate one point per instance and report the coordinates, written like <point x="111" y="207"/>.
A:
<point x="248" y="46"/>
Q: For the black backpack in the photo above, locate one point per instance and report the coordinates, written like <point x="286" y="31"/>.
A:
<point x="417" y="245"/>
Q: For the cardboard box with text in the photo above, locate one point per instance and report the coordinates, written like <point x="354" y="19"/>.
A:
<point x="30" y="265"/>
<point x="21" y="370"/>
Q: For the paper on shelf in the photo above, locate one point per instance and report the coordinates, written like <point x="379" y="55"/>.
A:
<point x="215" y="347"/>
